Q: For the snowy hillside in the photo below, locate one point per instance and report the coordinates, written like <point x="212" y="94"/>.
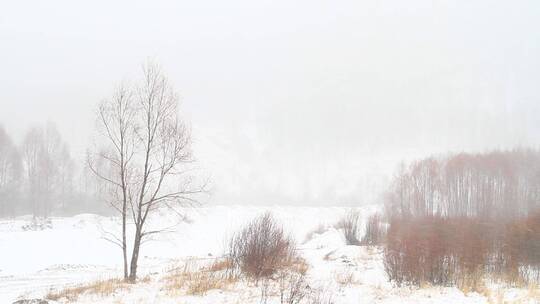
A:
<point x="72" y="251"/>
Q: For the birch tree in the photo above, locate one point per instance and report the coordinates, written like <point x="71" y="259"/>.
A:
<point x="148" y="150"/>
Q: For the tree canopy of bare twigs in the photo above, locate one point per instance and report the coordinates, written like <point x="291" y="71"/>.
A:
<point x="145" y="159"/>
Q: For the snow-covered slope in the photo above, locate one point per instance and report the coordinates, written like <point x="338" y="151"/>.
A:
<point x="74" y="250"/>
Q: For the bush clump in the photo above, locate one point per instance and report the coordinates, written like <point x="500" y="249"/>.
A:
<point x="349" y="225"/>
<point x="462" y="251"/>
<point x="375" y="231"/>
<point x="260" y="249"/>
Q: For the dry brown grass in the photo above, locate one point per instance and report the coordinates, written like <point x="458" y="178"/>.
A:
<point x="345" y="277"/>
<point x="202" y="282"/>
<point x="177" y="278"/>
<point x="476" y="282"/>
<point x="193" y="280"/>
<point x="533" y="292"/>
<point x="100" y="287"/>
<point x="300" y="266"/>
<point x="526" y="295"/>
<point x="220" y="265"/>
<point x="327" y="257"/>
<point x="472" y="282"/>
<point x="145" y="279"/>
<point x="495" y="297"/>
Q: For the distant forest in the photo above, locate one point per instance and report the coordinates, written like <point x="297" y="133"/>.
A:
<point x="460" y="219"/>
<point x="40" y="177"/>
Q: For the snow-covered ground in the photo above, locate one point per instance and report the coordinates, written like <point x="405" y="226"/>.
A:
<point x="73" y="251"/>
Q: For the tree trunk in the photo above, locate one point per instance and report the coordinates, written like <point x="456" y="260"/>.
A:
<point x="135" y="256"/>
<point x="124" y="243"/>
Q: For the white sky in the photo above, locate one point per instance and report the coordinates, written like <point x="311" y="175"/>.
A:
<point x="291" y="101"/>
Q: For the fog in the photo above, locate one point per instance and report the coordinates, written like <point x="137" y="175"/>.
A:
<point x="308" y="102"/>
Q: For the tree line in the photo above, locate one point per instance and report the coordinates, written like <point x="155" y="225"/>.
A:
<point x="464" y="219"/>
<point x="39" y="176"/>
<point x="499" y="184"/>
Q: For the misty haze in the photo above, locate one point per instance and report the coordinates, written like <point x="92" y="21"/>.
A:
<point x="300" y="152"/>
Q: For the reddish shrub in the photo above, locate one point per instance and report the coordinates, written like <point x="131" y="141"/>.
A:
<point x="521" y="250"/>
<point x="435" y="250"/>
<point x="465" y="216"/>
<point x="261" y="248"/>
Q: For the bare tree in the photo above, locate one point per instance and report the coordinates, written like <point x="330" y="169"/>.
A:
<point x="117" y="121"/>
<point x="49" y="160"/>
<point x="10" y="173"/>
<point x="32" y="149"/>
<point x="66" y="171"/>
<point x="41" y="155"/>
<point x="147" y="152"/>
